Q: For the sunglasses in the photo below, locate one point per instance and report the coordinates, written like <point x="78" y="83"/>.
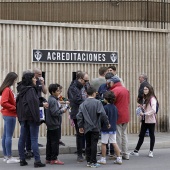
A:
<point x="86" y="81"/>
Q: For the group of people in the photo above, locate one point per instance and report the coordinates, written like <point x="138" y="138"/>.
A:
<point x="97" y="107"/>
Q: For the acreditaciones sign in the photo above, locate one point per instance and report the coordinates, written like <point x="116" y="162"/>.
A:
<point x="62" y="56"/>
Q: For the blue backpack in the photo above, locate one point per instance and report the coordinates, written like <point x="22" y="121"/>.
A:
<point x="157" y="106"/>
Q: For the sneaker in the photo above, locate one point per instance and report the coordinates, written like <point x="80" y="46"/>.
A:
<point x="134" y="154"/>
<point x="96" y="165"/>
<point x="118" y="161"/>
<point x="150" y="154"/>
<point x="112" y="157"/>
<point x="58" y="162"/>
<point x="125" y="157"/>
<point x="102" y="161"/>
<point x="40" y="145"/>
<point x="12" y="160"/>
<point x="61" y="143"/>
<point x="80" y="158"/>
<point x="38" y="164"/>
<point x="88" y="164"/>
<point x="23" y="162"/>
<point x="5" y="158"/>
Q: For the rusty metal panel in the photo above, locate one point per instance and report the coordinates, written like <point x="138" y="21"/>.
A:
<point x="88" y="11"/>
<point x="140" y="51"/>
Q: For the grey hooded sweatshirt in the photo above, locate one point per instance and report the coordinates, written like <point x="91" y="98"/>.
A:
<point x="91" y="115"/>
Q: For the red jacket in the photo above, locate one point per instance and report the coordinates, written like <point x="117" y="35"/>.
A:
<point x="122" y="102"/>
<point x="8" y="103"/>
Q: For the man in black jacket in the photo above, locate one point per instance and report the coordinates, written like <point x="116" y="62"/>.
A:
<point x="76" y="95"/>
<point x="143" y="80"/>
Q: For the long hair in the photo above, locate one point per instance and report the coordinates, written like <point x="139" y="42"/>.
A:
<point x="27" y="79"/>
<point x="150" y="94"/>
<point x="8" y="81"/>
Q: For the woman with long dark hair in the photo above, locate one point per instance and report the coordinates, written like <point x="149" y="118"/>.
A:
<point x="148" y="119"/>
<point x="8" y="111"/>
<point x="29" y="118"/>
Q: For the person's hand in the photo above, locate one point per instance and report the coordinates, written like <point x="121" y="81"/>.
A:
<point x="141" y="114"/>
<point x="81" y="130"/>
<point x="67" y="102"/>
<point x="64" y="109"/>
<point x="41" y="80"/>
<point x="139" y="105"/>
<point x="109" y="126"/>
<point x="45" y="105"/>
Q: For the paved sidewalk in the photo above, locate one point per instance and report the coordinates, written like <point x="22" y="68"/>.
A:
<point x="162" y="141"/>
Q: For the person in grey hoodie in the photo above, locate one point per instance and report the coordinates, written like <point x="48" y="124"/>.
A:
<point x="90" y="117"/>
<point x="53" y="122"/>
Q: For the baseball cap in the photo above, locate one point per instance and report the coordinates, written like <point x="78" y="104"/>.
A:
<point x="113" y="79"/>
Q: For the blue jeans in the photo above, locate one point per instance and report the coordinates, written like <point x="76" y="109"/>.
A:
<point x="9" y="126"/>
<point x="34" y="130"/>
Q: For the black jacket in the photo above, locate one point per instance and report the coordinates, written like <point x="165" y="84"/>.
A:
<point x="75" y="97"/>
<point x="28" y="104"/>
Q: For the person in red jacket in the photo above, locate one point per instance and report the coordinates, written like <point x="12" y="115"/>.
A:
<point x="8" y="111"/>
<point x="122" y="104"/>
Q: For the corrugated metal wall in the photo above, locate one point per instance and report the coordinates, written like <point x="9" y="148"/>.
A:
<point x="139" y="50"/>
<point x="149" y="14"/>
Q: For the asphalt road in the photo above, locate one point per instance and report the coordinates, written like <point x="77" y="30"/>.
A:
<point x="160" y="161"/>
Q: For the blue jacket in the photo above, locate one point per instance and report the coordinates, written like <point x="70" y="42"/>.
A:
<point x="112" y="113"/>
<point x="102" y="89"/>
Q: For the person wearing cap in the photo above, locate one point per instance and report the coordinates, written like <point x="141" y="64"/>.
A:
<point x="122" y="104"/>
<point x="102" y="89"/>
<point x="112" y="69"/>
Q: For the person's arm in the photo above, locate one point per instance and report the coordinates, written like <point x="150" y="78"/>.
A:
<point x="5" y="100"/>
<point x="152" y="106"/>
<point x="103" y="116"/>
<point x="44" y="88"/>
<point x="80" y="119"/>
<point x="75" y="96"/>
<point x="33" y="104"/>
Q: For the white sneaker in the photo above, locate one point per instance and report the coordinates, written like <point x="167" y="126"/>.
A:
<point x="134" y="154"/>
<point x="118" y="161"/>
<point x="150" y="154"/>
<point x="102" y="161"/>
<point x="12" y="160"/>
<point x="5" y="158"/>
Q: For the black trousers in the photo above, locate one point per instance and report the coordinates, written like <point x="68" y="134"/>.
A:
<point x="91" y="146"/>
<point x="79" y="139"/>
<point x="52" y="146"/>
<point x="144" y="127"/>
